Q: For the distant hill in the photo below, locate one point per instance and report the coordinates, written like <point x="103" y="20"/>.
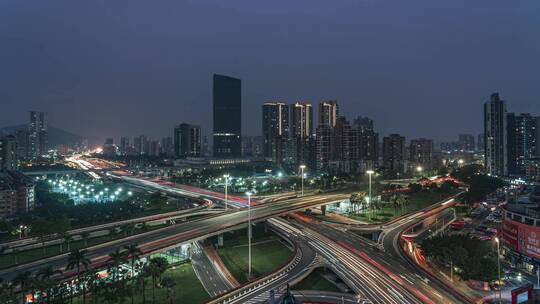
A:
<point x="57" y="136"/>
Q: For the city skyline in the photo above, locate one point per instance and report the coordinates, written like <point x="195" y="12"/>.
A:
<point x="172" y="87"/>
<point x="278" y="152"/>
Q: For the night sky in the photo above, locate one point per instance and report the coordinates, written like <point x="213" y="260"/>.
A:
<point x="421" y="68"/>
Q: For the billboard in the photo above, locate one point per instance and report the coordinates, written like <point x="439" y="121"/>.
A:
<point x="522" y="238"/>
<point x="510" y="234"/>
<point x="529" y="241"/>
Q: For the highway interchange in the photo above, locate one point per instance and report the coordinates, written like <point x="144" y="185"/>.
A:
<point x="376" y="273"/>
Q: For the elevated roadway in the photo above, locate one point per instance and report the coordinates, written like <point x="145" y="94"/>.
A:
<point x="175" y="235"/>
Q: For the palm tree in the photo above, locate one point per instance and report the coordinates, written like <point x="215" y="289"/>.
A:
<point x="133" y="252"/>
<point x="157" y="266"/>
<point x="77" y="259"/>
<point x="116" y="258"/>
<point x="169" y="283"/>
<point x="85" y="236"/>
<point x="22" y="280"/>
<point x="94" y="285"/>
<point x="144" y="273"/>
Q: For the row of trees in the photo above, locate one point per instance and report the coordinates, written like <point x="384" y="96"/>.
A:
<point x="480" y="184"/>
<point x="58" y="229"/>
<point x="359" y="203"/>
<point x="472" y="259"/>
<point x="47" y="285"/>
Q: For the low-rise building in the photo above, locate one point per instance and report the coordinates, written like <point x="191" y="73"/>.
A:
<point x="16" y="193"/>
<point x="521" y="231"/>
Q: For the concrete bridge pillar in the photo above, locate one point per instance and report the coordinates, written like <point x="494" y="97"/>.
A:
<point x="220" y="239"/>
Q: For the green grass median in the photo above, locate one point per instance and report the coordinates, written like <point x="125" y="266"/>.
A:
<point x="316" y="281"/>
<point x="268" y="252"/>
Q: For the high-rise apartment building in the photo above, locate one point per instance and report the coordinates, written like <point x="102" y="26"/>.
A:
<point x="521" y="141"/>
<point x="227" y="100"/>
<point x="37" y="134"/>
<point x="301" y="120"/>
<point x="8" y="152"/>
<point x="466" y="142"/>
<point x="537" y="136"/>
<point x="421" y="154"/>
<point x="187" y="140"/>
<point x="495" y="131"/>
<point x="275" y="129"/>
<point x="167" y="146"/>
<point x="301" y="145"/>
<point x="141" y="145"/>
<point x="328" y="113"/>
<point x="16" y="193"/>
<point x="480" y="144"/>
<point x="393" y="155"/>
<point x="368" y="143"/>
<point x="252" y="146"/>
<point x="124" y="145"/>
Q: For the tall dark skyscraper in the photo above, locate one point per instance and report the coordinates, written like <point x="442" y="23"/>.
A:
<point x="275" y="129"/>
<point x="227" y="95"/>
<point x="522" y="145"/>
<point x="495" y="136"/>
<point x="37" y="134"/>
<point x="187" y="140"/>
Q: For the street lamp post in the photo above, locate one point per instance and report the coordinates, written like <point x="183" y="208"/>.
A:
<point x="249" y="233"/>
<point x="226" y="176"/>
<point x="369" y="173"/>
<point x="302" y="167"/>
<point x="419" y="169"/>
<point x="499" y="268"/>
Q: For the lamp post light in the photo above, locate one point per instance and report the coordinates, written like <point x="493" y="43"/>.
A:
<point x="419" y="169"/>
<point x="249" y="233"/>
<point x="499" y="267"/>
<point x="302" y="167"/>
<point x="369" y="173"/>
<point x="226" y="177"/>
<point x="22" y="229"/>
